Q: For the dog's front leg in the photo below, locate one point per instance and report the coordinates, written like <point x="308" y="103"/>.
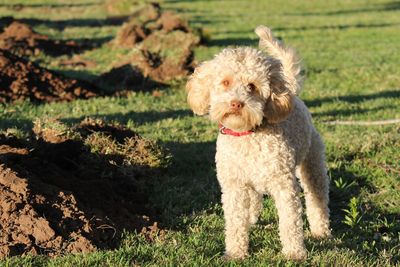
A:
<point x="288" y="204"/>
<point x="236" y="204"/>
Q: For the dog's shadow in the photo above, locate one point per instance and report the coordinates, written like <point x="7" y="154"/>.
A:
<point x="189" y="185"/>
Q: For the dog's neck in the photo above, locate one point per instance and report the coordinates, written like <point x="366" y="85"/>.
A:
<point x="226" y="131"/>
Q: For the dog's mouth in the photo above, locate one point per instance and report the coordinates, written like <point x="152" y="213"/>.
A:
<point x="236" y="119"/>
<point x="232" y="113"/>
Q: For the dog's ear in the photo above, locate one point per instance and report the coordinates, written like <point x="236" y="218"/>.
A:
<point x="280" y="102"/>
<point x="198" y="88"/>
<point x="284" y="76"/>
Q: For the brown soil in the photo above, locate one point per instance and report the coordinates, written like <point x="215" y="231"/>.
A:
<point x="21" y="79"/>
<point x="170" y="21"/>
<point x="147" y="20"/>
<point x="21" y="40"/>
<point x="164" y="40"/>
<point x="166" y="56"/>
<point x="62" y="192"/>
<point x="164" y="51"/>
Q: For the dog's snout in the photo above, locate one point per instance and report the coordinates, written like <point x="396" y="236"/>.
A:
<point x="236" y="105"/>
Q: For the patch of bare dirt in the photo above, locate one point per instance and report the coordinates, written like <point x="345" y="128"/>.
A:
<point x="165" y="56"/>
<point x="21" y="79"/>
<point x="163" y="43"/>
<point x="70" y="190"/>
<point x="147" y="20"/>
<point x="20" y="39"/>
<point x="162" y="50"/>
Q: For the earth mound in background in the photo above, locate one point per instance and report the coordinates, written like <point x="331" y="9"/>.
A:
<point x="21" y="79"/>
<point x="165" y="56"/>
<point x="162" y="43"/>
<point x="74" y="189"/>
<point x="20" y="39"/>
<point x="147" y="20"/>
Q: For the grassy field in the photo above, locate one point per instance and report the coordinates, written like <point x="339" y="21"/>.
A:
<point x="350" y="51"/>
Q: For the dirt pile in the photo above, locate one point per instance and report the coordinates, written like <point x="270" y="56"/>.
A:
<point x="165" y="56"/>
<point x="21" y="79"/>
<point x="162" y="43"/>
<point x="20" y="39"/>
<point x="146" y="20"/>
<point x="68" y="190"/>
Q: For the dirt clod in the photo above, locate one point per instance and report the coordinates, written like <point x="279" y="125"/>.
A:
<point x="21" y="79"/>
<point x="20" y="39"/>
<point x="70" y="190"/>
<point x="163" y="43"/>
<point x="166" y="56"/>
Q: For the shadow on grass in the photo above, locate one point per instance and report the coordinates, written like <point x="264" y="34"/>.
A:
<point x="62" y="24"/>
<point x="251" y="42"/>
<point x="19" y="7"/>
<point x="83" y="74"/>
<point x="337" y="27"/>
<point x="92" y="42"/>
<point x="232" y="42"/>
<point x="394" y="93"/>
<point x="348" y="112"/>
<point x="390" y="6"/>
<point x="138" y="117"/>
<point x="203" y="21"/>
<point x="190" y="185"/>
<point x="6" y="123"/>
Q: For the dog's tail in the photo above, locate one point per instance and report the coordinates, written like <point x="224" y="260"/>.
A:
<point x="286" y="55"/>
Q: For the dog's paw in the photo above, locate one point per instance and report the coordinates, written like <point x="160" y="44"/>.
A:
<point x="253" y="219"/>
<point x="321" y="234"/>
<point x="234" y="256"/>
<point x="295" y="255"/>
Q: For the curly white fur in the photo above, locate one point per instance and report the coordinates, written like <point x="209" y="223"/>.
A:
<point x="284" y="140"/>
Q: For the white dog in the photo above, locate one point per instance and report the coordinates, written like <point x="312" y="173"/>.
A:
<point x="266" y="134"/>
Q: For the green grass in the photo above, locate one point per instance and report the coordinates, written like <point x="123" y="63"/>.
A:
<point x="350" y="51"/>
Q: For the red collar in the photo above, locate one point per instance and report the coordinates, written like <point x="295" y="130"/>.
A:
<point x="226" y="131"/>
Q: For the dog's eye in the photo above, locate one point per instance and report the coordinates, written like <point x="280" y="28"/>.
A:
<point x="251" y="87"/>
<point x="225" y="83"/>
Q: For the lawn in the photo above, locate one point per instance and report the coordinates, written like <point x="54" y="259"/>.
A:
<point x="350" y="52"/>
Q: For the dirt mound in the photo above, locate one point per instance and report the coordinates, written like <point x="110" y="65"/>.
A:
<point x="21" y="79"/>
<point x="21" y="40"/>
<point x="163" y="43"/>
<point x="165" y="56"/>
<point x="138" y="26"/>
<point x="68" y="190"/>
<point x="147" y="20"/>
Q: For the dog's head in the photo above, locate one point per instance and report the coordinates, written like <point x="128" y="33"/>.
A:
<point x="240" y="87"/>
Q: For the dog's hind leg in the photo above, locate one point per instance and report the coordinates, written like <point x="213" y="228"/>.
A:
<point x="315" y="182"/>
